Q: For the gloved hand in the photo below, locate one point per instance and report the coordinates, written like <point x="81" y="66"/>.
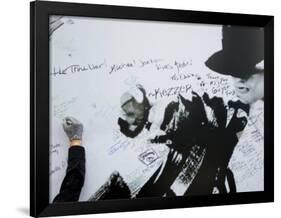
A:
<point x="237" y="123"/>
<point x="182" y="122"/>
<point x="73" y="128"/>
<point x="219" y="109"/>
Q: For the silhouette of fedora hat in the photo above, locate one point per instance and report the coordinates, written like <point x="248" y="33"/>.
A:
<point x="242" y="50"/>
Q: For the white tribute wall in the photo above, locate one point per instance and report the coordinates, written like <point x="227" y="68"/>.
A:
<point x="94" y="61"/>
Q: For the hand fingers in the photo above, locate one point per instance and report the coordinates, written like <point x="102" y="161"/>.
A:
<point x="65" y="123"/>
<point x="74" y="120"/>
<point x="179" y="159"/>
<point x="67" y="120"/>
<point x="170" y="154"/>
<point x="71" y="120"/>
<point x="175" y="155"/>
<point x="171" y="151"/>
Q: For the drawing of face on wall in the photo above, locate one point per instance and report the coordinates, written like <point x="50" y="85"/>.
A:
<point x="135" y="110"/>
<point x="242" y="57"/>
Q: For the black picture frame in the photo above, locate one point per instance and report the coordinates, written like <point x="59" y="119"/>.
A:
<point x="39" y="107"/>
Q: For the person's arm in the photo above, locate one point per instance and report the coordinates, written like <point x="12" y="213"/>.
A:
<point x="75" y="172"/>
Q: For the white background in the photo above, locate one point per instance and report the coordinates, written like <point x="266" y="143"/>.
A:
<point x="14" y="110"/>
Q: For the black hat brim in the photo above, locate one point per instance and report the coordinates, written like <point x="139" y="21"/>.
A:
<point x="226" y="63"/>
<point x="220" y="63"/>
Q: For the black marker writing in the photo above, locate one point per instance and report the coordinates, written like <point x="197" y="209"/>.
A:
<point x="166" y="92"/>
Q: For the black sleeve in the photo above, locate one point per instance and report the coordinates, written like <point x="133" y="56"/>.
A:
<point x="75" y="175"/>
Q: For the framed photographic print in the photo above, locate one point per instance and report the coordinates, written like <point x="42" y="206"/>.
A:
<point x="144" y="108"/>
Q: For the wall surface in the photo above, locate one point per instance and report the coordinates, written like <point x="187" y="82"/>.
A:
<point x="14" y="110"/>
